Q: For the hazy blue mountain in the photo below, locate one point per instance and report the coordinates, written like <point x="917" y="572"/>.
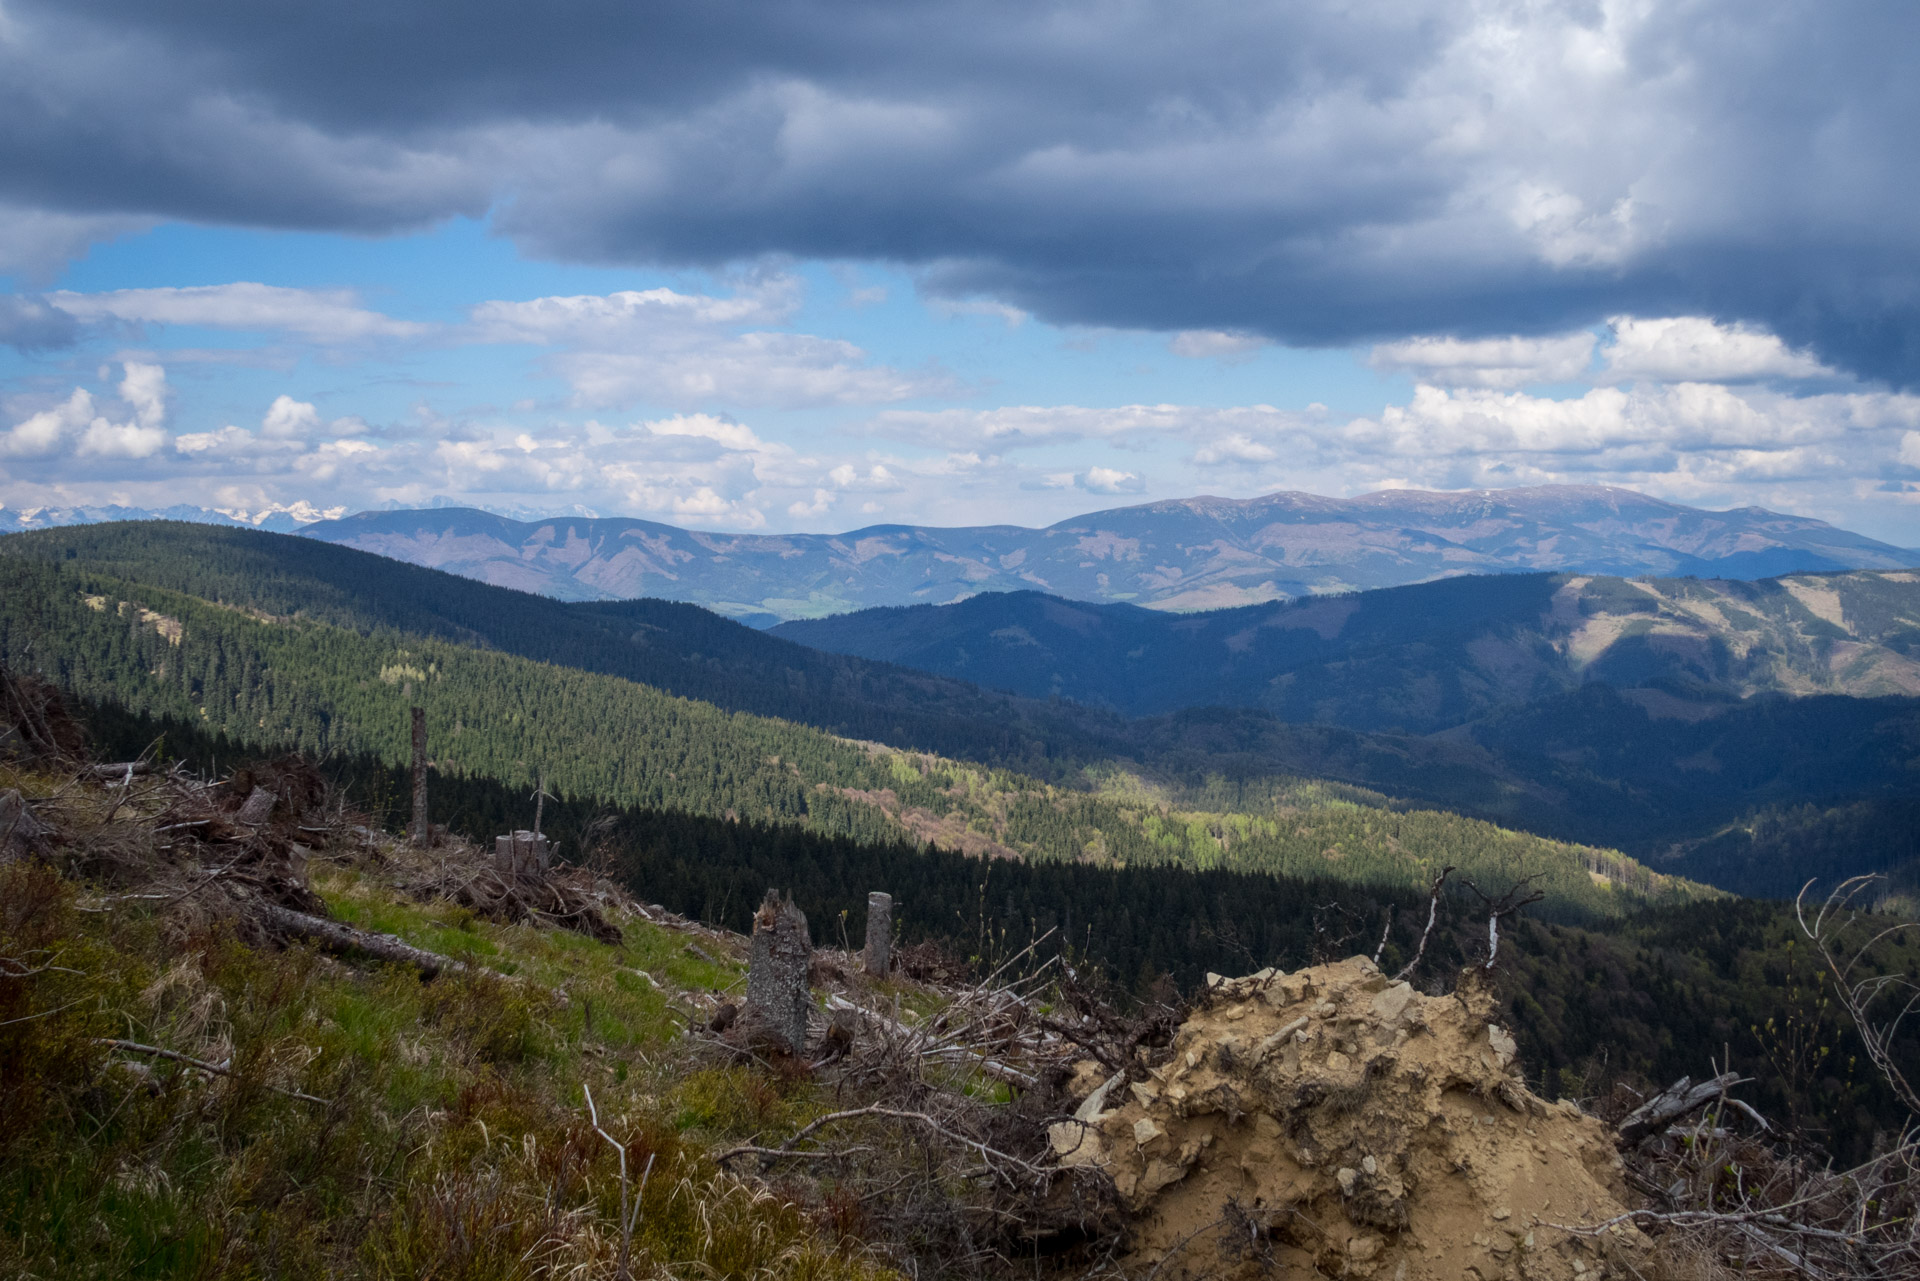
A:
<point x="1190" y="554"/>
<point x="1421" y="658"/>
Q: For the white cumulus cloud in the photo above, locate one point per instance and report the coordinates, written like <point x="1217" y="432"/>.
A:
<point x="1698" y="349"/>
<point x="1489" y="362"/>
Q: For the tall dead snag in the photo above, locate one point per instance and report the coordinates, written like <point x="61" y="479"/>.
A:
<point x="421" y="833"/>
<point x="777" y="998"/>
<point x="879" y="950"/>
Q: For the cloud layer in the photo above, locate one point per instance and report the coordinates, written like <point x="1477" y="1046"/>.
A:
<point x="1315" y="173"/>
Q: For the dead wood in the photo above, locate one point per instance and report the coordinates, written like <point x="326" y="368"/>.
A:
<point x="333" y="936"/>
<point x="878" y="951"/>
<point x="218" y="1069"/>
<point x="1682" y="1098"/>
<point x="775" y="1011"/>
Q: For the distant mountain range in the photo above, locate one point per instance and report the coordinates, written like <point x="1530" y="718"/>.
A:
<point x="1424" y="658"/>
<point x="1191" y="554"/>
<point x="14" y="519"/>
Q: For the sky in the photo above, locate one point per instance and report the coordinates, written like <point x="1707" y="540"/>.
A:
<point x="821" y="264"/>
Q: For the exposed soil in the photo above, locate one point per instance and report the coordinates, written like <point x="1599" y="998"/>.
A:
<point x="1331" y="1119"/>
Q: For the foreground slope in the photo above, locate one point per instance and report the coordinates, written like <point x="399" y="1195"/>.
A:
<point x="1196" y="553"/>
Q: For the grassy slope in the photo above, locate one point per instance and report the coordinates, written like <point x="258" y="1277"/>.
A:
<point x="323" y="689"/>
<point x="452" y="1142"/>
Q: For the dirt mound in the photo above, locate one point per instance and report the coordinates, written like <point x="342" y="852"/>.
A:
<point x="1332" y="1119"/>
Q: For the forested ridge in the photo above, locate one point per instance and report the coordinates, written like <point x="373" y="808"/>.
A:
<point x="676" y="647"/>
<point x="298" y="683"/>
<point x="1747" y="794"/>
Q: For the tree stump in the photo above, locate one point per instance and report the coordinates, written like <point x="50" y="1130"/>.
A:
<point x="257" y="808"/>
<point x="777" y="995"/>
<point x="878" y="953"/>
<point x="523" y="854"/>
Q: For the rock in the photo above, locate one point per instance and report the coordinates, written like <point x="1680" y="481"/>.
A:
<point x="1503" y="1045"/>
<point x="1160" y="1174"/>
<point x="1390" y="1004"/>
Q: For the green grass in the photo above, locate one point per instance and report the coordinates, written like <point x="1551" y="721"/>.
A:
<point x="452" y="1144"/>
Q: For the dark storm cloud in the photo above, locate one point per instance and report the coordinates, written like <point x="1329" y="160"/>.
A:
<point x="1318" y="172"/>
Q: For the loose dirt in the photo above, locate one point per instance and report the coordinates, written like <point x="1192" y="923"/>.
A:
<point x="1333" y="1120"/>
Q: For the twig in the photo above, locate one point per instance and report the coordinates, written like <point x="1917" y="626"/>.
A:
<point x="220" y="1069"/>
<point x="628" y="1220"/>
<point x="28" y="1018"/>
<point x="897" y="1114"/>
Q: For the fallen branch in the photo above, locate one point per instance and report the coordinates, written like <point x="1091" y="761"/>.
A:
<point x="218" y="1069"/>
<point x="336" y="937"/>
<point x="1672" y="1103"/>
<point x="119" y="771"/>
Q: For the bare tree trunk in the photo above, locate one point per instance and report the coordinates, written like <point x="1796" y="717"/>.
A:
<point x="879" y="949"/>
<point x="422" y="834"/>
<point x="777" y="994"/>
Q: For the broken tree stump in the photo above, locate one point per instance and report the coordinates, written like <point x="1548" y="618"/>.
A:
<point x="523" y="854"/>
<point x="878" y="953"/>
<point x="257" y="809"/>
<point x="421" y="833"/>
<point x="777" y="997"/>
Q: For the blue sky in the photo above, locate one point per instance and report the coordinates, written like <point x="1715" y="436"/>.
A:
<point x="817" y="265"/>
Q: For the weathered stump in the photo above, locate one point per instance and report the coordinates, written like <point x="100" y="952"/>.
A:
<point x="257" y="809"/>
<point x="878" y="953"/>
<point x="522" y="854"/>
<point x="777" y="998"/>
<point x="422" y="833"/>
